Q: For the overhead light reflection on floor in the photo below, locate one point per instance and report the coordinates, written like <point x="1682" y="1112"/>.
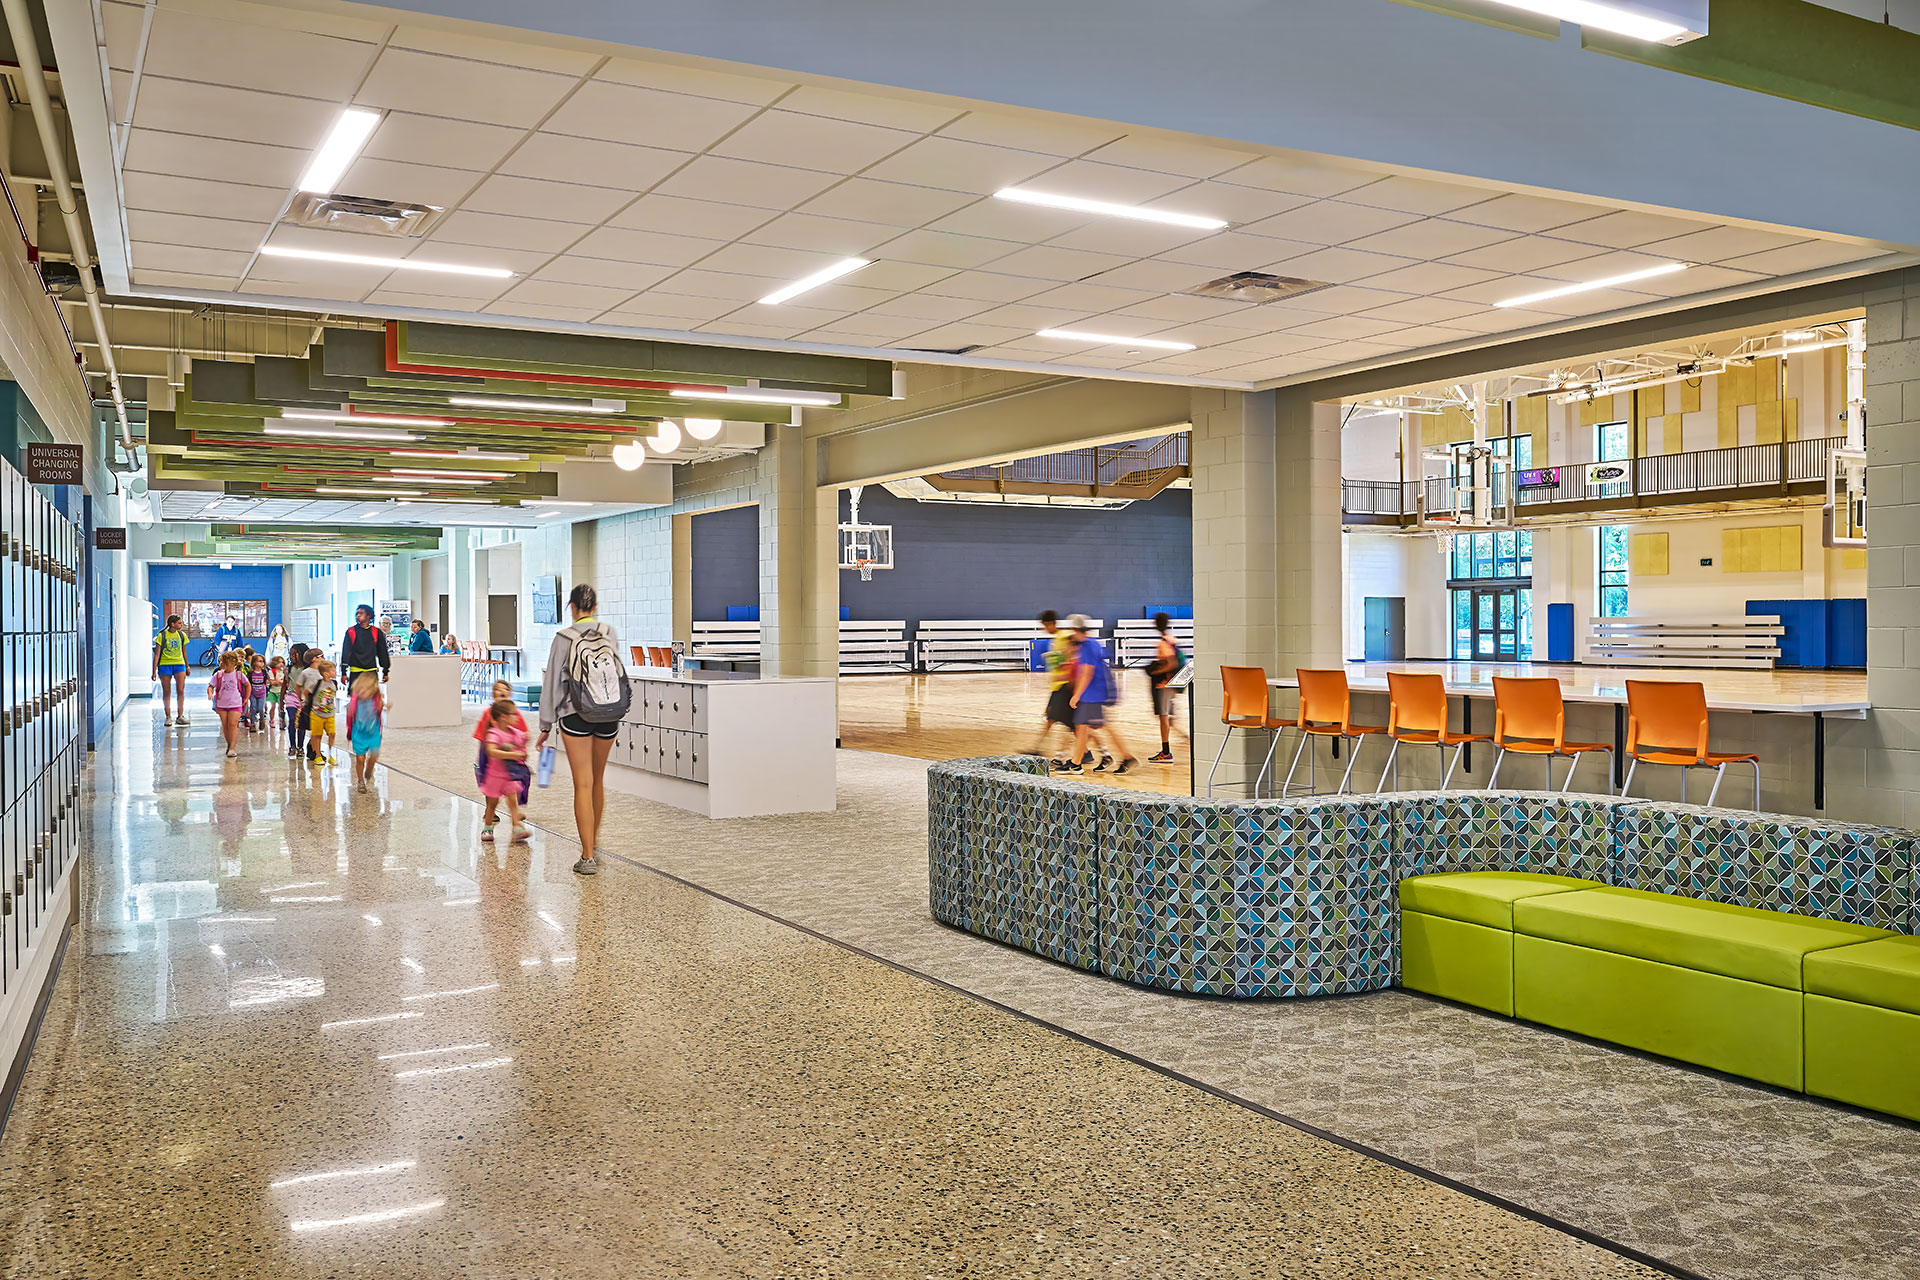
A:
<point x="361" y="1022"/>
<point x="448" y="1070"/>
<point x="413" y="964"/>
<point x="421" y="1053"/>
<point x="546" y="917"/>
<point x="461" y="991"/>
<point x="373" y="920"/>
<point x="358" y="1219"/>
<point x="342" y="1173"/>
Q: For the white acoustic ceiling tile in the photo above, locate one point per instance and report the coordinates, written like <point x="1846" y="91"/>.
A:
<point x="431" y="84"/>
<point x="153" y="278"/>
<point x="1032" y="131"/>
<point x="167" y="193"/>
<point x="1341" y="328"/>
<point x="898" y="277"/>
<point x="176" y="257"/>
<point x="121" y="26"/>
<point x="561" y="157"/>
<point x="1524" y="213"/>
<point x="452" y="144"/>
<point x="1271" y="344"/>
<point x="1526" y="253"/>
<point x="1176" y="307"/>
<point x="288" y="235"/>
<point x="1340" y="353"/>
<point x="1259" y="370"/>
<point x="953" y="165"/>
<point x="963" y="334"/>
<point x="516" y="53"/>
<point x="1128" y="238"/>
<point x="628" y="318"/>
<point x="1430" y="238"/>
<point x="1328" y="222"/>
<point x="1428" y="335"/>
<point x="987" y="286"/>
<point x="1093" y="181"/>
<point x="477" y="287"/>
<point x="1091" y="298"/>
<point x="623" y="113"/>
<point x="338" y="290"/>
<point x="1810" y="256"/>
<point x="534" y="311"/>
<point x="1593" y="303"/>
<point x="205" y="233"/>
<point x="1114" y="325"/>
<point x="1415" y="195"/>
<point x="1602" y="265"/>
<point x="722" y="286"/>
<point x="870" y="108"/>
<point x="220" y="159"/>
<point x="770" y="261"/>
<point x="1230" y="251"/>
<point x="1695" y="280"/>
<point x="1167" y="155"/>
<point x="652" y="247"/>
<point x="1298" y="176"/>
<point x="196" y="46"/>
<point x="1184" y="364"/>
<point x="811" y="142"/>
<point x="682" y="306"/>
<point x="1050" y="263"/>
<point x="867" y="331"/>
<point x="1500" y="320"/>
<point x="1626" y="228"/>
<point x="498" y="231"/>
<point x="941" y="249"/>
<point x="847" y="297"/>
<point x="604" y="272"/>
<point x="748" y="182"/>
<point x="1422" y="311"/>
<point x="1338" y="266"/>
<point x="736" y="327"/>
<point x="1031" y="316"/>
<point x="823" y="235"/>
<point x="930" y="307"/>
<point x="1429" y="277"/>
<point x="1717" y="244"/>
<point x="220" y="111"/>
<point x="305" y="271"/>
<point x="1345" y="300"/>
<point x="1270" y="318"/>
<point x="791" y="314"/>
<point x="894" y="203"/>
<point x="678" y="216"/>
<point x="697" y="81"/>
<point x="1155" y="276"/>
<point x="554" y="293"/>
<point x="413" y="183"/>
<point x="539" y="198"/>
<point x="1238" y="205"/>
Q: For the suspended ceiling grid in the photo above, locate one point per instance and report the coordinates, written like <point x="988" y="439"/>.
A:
<point x="640" y="193"/>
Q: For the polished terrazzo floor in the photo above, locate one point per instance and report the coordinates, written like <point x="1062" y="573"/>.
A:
<point x="312" y="1033"/>
<point x="1713" y="1174"/>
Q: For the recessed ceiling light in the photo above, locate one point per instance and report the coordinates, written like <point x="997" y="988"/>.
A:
<point x="1074" y="335"/>
<point x="541" y="406"/>
<point x="370" y="493"/>
<point x="1107" y="208"/>
<point x="363" y="419"/>
<point x="1588" y="286"/>
<point x="339" y="433"/>
<point x="703" y="428"/>
<point x="826" y="275"/>
<point x="392" y="264"/>
<point x="751" y="395"/>
<point x="1635" y="18"/>
<point x="667" y="438"/>
<point x="329" y="164"/>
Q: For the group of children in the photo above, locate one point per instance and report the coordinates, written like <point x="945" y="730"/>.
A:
<point x="299" y="693"/>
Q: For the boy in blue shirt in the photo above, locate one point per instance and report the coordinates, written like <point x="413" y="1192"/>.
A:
<point x="1093" y="688"/>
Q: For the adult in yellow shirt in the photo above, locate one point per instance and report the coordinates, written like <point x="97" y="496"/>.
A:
<point x="1059" y="696"/>
<point x="170" y="669"/>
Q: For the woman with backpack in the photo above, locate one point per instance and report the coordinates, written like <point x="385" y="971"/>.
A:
<point x="1166" y="664"/>
<point x="584" y="691"/>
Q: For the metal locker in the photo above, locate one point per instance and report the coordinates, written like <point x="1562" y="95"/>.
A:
<point x="697" y="720"/>
<point x="697" y="757"/>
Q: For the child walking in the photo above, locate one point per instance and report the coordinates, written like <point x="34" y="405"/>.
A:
<point x="228" y="691"/>
<point x="505" y="772"/>
<point x="320" y="719"/>
<point x="294" y="702"/>
<point x="364" y="708"/>
<point x="276" y="691"/>
<point x="257" y="695"/>
<point x="502" y="692"/>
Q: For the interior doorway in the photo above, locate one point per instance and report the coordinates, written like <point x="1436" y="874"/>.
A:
<point x="503" y="620"/>
<point x="1496" y="624"/>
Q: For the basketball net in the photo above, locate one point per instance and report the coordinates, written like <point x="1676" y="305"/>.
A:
<point x="866" y="569"/>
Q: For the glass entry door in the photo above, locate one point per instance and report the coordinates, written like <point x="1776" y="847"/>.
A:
<point x="1496" y="624"/>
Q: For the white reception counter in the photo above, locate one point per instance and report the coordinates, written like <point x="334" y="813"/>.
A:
<point x="729" y="748"/>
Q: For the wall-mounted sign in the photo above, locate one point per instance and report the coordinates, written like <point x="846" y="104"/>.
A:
<point x="1607" y="473"/>
<point x="55" y="463"/>
<point x="110" y="539"/>
<point x="546" y="599"/>
<point x="1543" y="478"/>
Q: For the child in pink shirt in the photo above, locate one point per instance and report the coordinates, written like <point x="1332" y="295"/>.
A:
<point x="506" y="747"/>
<point x="228" y="690"/>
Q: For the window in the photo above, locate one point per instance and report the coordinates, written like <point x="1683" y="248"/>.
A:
<point x="202" y="618"/>
<point x="1507" y="553"/>
<point x="1492" y="606"/>
<point x="1610" y="442"/>
<point x="1613" y="571"/>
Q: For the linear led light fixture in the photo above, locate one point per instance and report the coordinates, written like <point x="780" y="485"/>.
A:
<point x="1588" y="286"/>
<point x="369" y="493"/>
<point x="750" y="395"/>
<point x="1075" y="335"/>
<point x="471" y="501"/>
<point x="453" y="475"/>
<point x="1107" y="208"/>
<point x="541" y="406"/>
<point x="433" y="480"/>
<point x="342" y="146"/>
<point x="825" y="275"/>
<point x="457" y="454"/>
<point x="1655" y="21"/>
<point x="339" y="433"/>
<point x="363" y="419"/>
<point x="391" y="264"/>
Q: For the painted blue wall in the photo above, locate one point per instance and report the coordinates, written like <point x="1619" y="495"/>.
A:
<point x="979" y="561"/>
<point x="210" y="582"/>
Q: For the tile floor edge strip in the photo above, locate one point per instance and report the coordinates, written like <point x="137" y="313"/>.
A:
<point x="17" y="1069"/>
<point x="1359" y="1148"/>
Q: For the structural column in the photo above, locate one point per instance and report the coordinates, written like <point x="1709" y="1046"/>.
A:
<point x="1309" y="617"/>
<point x="799" y="559"/>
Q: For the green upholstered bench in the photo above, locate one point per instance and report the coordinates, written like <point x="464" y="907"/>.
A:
<point x="1456" y="932"/>
<point x="1705" y="982"/>
<point x="1863" y="1025"/>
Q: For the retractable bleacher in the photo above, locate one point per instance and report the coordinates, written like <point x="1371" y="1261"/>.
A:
<point x="1750" y="642"/>
<point x="725" y="644"/>
<point x="873" y="648"/>
<point x="973" y="644"/>
<point x="1134" y="639"/>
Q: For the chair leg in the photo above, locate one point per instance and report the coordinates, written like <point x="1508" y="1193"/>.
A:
<point x="1547" y="765"/>
<point x="1393" y="754"/>
<point x="1224" y="740"/>
<point x="1353" y="758"/>
<point x="1573" y="767"/>
<point x="1714" y="794"/>
<point x="1494" y="777"/>
<point x="1286" y="788"/>
<point x="1260" y="777"/>
<point x="1447" y="780"/>
<point x="1683" y="784"/>
<point x="1756" y="786"/>
<point x="1633" y="762"/>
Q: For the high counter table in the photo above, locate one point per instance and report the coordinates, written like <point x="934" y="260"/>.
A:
<point x="1818" y="694"/>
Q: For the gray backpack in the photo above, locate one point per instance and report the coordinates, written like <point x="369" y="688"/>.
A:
<point x="596" y="680"/>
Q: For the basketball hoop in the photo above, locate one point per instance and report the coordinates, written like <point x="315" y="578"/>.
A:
<point x="865" y="566"/>
<point x="865" y="547"/>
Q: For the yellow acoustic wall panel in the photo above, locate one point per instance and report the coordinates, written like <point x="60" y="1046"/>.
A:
<point x="1596" y="411"/>
<point x="1689" y="396"/>
<point x="1766" y="380"/>
<point x="1530" y="419"/>
<point x="1767" y="420"/>
<point x="1853" y="558"/>
<point x="1792" y="419"/>
<point x="1648" y="555"/>
<point x="1736" y="389"/>
<point x="1652" y="405"/>
<point x="1774" y="549"/>
<point x="1448" y="427"/>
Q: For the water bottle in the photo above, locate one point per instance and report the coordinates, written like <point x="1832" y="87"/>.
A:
<point x="546" y="766"/>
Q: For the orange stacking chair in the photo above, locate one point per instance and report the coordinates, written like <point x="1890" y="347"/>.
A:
<point x="1243" y="705"/>
<point x="1530" y="718"/>
<point x="1674" y="713"/>
<point x="639" y="654"/>
<point x="1417" y="716"/>
<point x="1326" y="711"/>
<point x="661" y="654"/>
